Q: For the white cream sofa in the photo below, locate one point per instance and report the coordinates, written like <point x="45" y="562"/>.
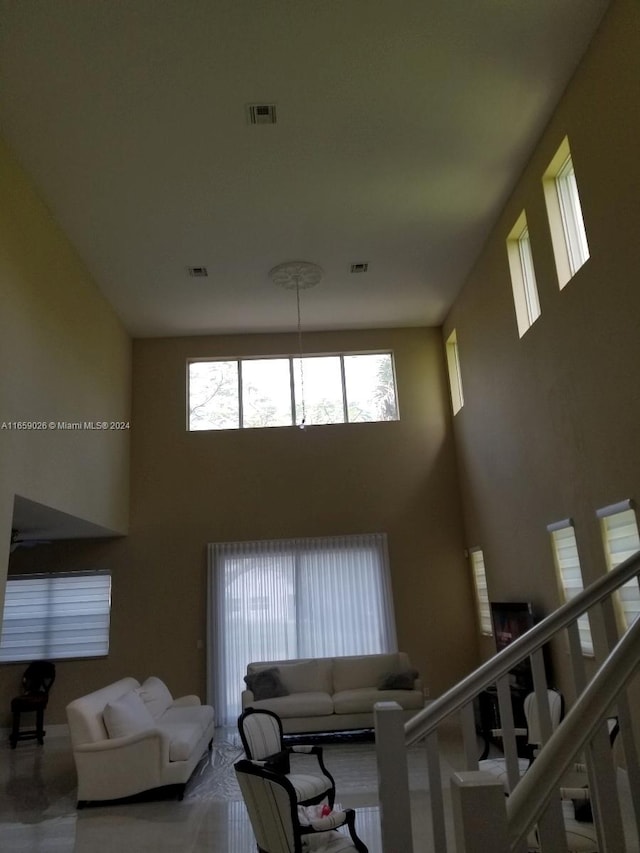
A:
<point x="129" y="738"/>
<point x="332" y="694"/>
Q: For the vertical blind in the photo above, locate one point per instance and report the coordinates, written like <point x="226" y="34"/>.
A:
<point x="56" y="616"/>
<point x="293" y="598"/>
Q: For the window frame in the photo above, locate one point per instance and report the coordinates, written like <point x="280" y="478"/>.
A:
<point x="455" y="373"/>
<point x="566" y="589"/>
<point x="481" y="590"/>
<point x="47" y="644"/>
<point x="523" y="277"/>
<point x="631" y="587"/>
<point x="293" y="359"/>
<point x="565" y="214"/>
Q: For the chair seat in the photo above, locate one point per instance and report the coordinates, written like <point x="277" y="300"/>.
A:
<point x="308" y="787"/>
<point x="29" y="702"/>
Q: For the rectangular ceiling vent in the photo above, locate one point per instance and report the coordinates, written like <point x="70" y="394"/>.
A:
<point x="261" y="113"/>
<point x="198" y="272"/>
<point x="359" y="267"/>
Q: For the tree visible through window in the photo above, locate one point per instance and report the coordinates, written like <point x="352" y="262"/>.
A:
<point x="264" y="392"/>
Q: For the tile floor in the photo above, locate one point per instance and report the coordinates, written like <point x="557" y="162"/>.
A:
<point x="38" y="813"/>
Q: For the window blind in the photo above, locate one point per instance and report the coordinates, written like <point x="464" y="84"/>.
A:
<point x="482" y="592"/>
<point x="621" y="540"/>
<point x="56" y="616"/>
<point x="569" y="572"/>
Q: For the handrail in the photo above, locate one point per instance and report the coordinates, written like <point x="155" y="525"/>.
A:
<point x="536" y="787"/>
<point x="427" y="720"/>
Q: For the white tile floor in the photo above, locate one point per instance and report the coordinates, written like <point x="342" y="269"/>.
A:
<point x="38" y="813"/>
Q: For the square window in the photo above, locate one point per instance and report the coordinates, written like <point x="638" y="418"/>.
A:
<point x="523" y="278"/>
<point x="455" y="377"/>
<point x="266" y="392"/>
<point x="370" y="388"/>
<point x="320" y="378"/>
<point x="566" y="221"/>
<point x="213" y="398"/>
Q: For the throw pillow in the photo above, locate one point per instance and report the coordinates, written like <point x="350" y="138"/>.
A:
<point x="155" y="695"/>
<point x="401" y="680"/>
<point x="127" y="716"/>
<point x="266" y="684"/>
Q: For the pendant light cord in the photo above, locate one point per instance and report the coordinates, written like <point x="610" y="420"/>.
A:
<point x="304" y="415"/>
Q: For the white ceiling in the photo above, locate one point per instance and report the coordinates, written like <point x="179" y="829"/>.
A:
<point x="402" y="126"/>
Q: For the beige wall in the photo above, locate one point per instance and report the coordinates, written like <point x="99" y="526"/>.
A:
<point x="189" y="489"/>
<point x="64" y="356"/>
<point x="550" y="422"/>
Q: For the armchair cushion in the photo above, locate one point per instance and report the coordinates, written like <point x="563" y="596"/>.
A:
<point x="127" y="716"/>
<point x="266" y="684"/>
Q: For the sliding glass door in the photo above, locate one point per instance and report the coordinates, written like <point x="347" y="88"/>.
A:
<point x="293" y="598"/>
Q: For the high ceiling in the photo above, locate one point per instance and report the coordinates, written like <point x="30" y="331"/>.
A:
<point x="402" y="126"/>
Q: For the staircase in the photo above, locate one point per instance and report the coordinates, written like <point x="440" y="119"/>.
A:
<point x="484" y="820"/>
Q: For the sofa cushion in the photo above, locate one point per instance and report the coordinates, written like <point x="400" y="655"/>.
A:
<point x="403" y="679"/>
<point x="362" y="699"/>
<point x="198" y="716"/>
<point x="307" y="676"/>
<point x="183" y="739"/>
<point x="362" y="670"/>
<point x="127" y="716"/>
<point x="298" y="705"/>
<point x="266" y="683"/>
<point x="155" y="695"/>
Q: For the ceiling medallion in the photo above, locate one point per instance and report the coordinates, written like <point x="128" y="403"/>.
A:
<point x="296" y="275"/>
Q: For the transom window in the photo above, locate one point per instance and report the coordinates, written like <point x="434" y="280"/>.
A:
<point x="566" y="222"/>
<point x="523" y="278"/>
<point x="269" y="392"/>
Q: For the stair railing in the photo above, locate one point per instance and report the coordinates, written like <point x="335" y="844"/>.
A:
<point x="392" y="762"/>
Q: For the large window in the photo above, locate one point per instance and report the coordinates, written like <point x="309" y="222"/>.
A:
<point x="268" y="392"/>
<point x="293" y="598"/>
<point x="523" y="278"/>
<point x="566" y="222"/>
<point x="621" y="540"/>
<point x="56" y="616"/>
<point x="569" y="573"/>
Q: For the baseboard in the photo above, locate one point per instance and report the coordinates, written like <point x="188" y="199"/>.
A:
<point x="58" y="730"/>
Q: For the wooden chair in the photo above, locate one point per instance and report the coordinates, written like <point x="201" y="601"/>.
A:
<point x="262" y="739"/>
<point x="280" y="824"/>
<point x="36" y="683"/>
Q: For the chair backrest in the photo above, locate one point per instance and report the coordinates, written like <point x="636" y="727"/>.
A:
<point x="39" y="676"/>
<point x="556" y="710"/>
<point x="270" y="801"/>
<point x="260" y="732"/>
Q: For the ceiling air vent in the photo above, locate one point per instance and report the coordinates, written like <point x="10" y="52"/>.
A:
<point x="261" y="113"/>
<point x="359" y="267"/>
<point x="198" y="272"/>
